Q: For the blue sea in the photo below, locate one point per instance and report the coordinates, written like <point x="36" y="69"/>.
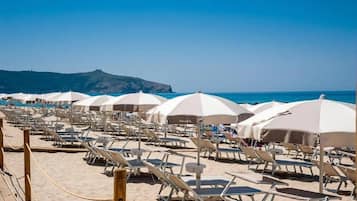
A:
<point x="259" y="97"/>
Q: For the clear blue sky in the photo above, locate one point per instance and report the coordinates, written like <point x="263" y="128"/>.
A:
<point x="193" y="45"/>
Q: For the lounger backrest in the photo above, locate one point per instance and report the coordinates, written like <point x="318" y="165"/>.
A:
<point x="306" y="149"/>
<point x="330" y="170"/>
<point x="157" y="172"/>
<point x="179" y="183"/>
<point x="265" y="156"/>
<point x="105" y="154"/>
<point x="249" y="151"/>
<point x="208" y="145"/>
<point x="195" y="141"/>
<point x="289" y="146"/>
<point x="118" y="158"/>
<point x="350" y="173"/>
<point x="203" y="144"/>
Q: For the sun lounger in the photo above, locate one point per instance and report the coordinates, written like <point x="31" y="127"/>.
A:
<point x="154" y="138"/>
<point x="298" y="194"/>
<point x="285" y="192"/>
<point x="207" y="146"/>
<point x="268" y="159"/>
<point x="135" y="164"/>
<point x="191" y="181"/>
<point x="307" y="151"/>
<point x="351" y="176"/>
<point x="207" y="192"/>
<point x="330" y="172"/>
<point x="250" y="155"/>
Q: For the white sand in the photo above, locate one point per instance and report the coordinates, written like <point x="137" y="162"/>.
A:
<point x="72" y="172"/>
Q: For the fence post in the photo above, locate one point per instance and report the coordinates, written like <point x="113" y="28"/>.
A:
<point x="119" y="185"/>
<point x="1" y="146"/>
<point x="27" y="165"/>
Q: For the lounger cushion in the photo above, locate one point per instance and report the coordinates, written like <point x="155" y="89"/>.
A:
<point x="296" y="163"/>
<point x="234" y="190"/>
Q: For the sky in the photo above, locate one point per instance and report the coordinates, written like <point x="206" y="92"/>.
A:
<point x="212" y="46"/>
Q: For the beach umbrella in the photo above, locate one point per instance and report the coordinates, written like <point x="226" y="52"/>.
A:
<point x="200" y="109"/>
<point x="29" y="98"/>
<point x="15" y="96"/>
<point x="68" y="97"/>
<point x="134" y="102"/>
<point x="92" y="103"/>
<point x="254" y="126"/>
<point x="333" y="122"/>
<point x="48" y="96"/>
<point x="3" y="95"/>
<point x="192" y="108"/>
<point x="258" y="108"/>
<point x="138" y="102"/>
<point x="245" y="105"/>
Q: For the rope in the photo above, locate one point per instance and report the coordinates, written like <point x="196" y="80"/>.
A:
<point x="59" y="186"/>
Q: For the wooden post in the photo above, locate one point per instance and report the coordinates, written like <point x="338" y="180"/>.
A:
<point x="119" y="185"/>
<point x="27" y="165"/>
<point x="1" y="146"/>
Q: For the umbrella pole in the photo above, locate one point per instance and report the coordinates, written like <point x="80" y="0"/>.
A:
<point x="321" y="169"/>
<point x="198" y="169"/>
<point x="139" y="143"/>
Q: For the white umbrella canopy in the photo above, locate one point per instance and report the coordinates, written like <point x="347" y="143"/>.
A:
<point x="258" y="108"/>
<point x="91" y="104"/>
<point x="253" y="127"/>
<point x="68" y="97"/>
<point x="134" y="102"/>
<point x="333" y="121"/>
<point x="3" y="95"/>
<point x="49" y="96"/>
<point x="300" y="122"/>
<point x="192" y="108"/>
<point x="198" y="108"/>
<point x="29" y="98"/>
<point x="16" y="96"/>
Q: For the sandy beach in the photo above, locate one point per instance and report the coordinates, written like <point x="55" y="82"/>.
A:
<point x="70" y="171"/>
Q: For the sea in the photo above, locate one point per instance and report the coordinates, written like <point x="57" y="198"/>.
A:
<point x="259" y="97"/>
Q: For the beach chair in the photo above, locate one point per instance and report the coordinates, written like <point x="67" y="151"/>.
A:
<point x="154" y="138"/>
<point x="207" y="146"/>
<point x="284" y="192"/>
<point x="268" y="159"/>
<point x="299" y="194"/>
<point x="209" y="192"/>
<point x="330" y="172"/>
<point x="233" y="141"/>
<point x="289" y="147"/>
<point x="250" y="156"/>
<point x="351" y="176"/>
<point x="307" y="151"/>
<point x="189" y="180"/>
<point x="134" y="164"/>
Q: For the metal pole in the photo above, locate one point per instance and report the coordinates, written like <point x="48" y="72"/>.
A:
<point x="321" y="177"/>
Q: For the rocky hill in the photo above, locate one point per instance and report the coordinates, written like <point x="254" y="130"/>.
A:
<point x="90" y="82"/>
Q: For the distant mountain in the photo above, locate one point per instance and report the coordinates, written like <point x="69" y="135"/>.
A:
<point x="90" y="82"/>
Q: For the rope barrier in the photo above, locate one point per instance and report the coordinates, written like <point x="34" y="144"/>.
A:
<point x="59" y="186"/>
